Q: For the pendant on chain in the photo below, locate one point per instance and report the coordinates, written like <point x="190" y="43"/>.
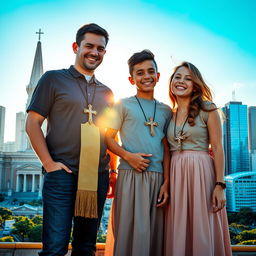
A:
<point x="151" y="123"/>
<point x="179" y="138"/>
<point x="90" y="112"/>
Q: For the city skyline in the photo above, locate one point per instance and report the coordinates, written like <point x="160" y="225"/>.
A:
<point x="217" y="40"/>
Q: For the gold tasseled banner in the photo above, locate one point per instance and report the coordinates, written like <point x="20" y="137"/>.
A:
<point x="86" y="204"/>
<point x="86" y="196"/>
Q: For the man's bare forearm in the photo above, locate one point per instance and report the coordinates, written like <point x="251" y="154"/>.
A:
<point x="37" y="140"/>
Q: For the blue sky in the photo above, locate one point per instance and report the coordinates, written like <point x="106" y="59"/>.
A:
<point x="217" y="36"/>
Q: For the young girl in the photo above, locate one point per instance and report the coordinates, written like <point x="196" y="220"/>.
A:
<point x="196" y="221"/>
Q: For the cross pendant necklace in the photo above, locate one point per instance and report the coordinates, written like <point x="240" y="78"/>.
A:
<point x="89" y="109"/>
<point x="180" y="136"/>
<point x="90" y="112"/>
<point x="151" y="121"/>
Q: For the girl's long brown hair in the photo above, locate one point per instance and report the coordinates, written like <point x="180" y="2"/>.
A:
<point x="201" y="92"/>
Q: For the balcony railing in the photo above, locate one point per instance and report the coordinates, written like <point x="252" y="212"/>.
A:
<point x="31" y="249"/>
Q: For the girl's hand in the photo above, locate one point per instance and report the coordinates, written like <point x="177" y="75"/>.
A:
<point x="218" y="199"/>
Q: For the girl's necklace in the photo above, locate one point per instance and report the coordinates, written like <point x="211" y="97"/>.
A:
<point x="180" y="136"/>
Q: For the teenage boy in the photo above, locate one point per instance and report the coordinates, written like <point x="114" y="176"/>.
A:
<point x="142" y="183"/>
<point x="68" y="98"/>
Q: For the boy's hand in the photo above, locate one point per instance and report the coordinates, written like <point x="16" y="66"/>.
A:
<point x="137" y="161"/>
<point x="163" y="195"/>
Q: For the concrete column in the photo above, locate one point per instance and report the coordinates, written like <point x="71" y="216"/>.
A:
<point x="33" y="182"/>
<point x="17" y="183"/>
<point x="25" y="183"/>
<point x="40" y="186"/>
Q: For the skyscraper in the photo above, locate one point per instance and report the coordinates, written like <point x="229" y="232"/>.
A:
<point x="235" y="137"/>
<point x="2" y="123"/>
<point x="252" y="128"/>
<point x="20" y="135"/>
<point x="252" y="137"/>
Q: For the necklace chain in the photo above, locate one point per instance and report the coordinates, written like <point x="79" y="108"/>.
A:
<point x="151" y="121"/>
<point x="143" y="109"/>
<point x="181" y="131"/>
<point x="180" y="136"/>
<point x="85" y="94"/>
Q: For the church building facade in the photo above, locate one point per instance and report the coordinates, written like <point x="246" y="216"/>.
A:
<point x="20" y="171"/>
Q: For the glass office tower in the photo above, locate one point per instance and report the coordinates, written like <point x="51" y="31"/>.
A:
<point x="252" y="136"/>
<point x="235" y="137"/>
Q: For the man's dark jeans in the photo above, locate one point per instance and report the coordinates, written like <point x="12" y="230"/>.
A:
<point x="59" y="192"/>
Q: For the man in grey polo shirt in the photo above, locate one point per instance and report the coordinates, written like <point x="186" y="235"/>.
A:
<point x="61" y="96"/>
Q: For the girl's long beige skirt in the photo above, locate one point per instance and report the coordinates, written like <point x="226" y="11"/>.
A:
<point x="136" y="224"/>
<point x="192" y="229"/>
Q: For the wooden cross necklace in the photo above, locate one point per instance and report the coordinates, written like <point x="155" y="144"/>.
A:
<point x="151" y="121"/>
<point x="90" y="112"/>
<point x="180" y="136"/>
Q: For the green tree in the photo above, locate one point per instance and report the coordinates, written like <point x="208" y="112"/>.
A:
<point x="237" y="228"/>
<point x="22" y="203"/>
<point x="22" y="227"/>
<point x="35" y="233"/>
<point x="248" y="242"/>
<point x="14" y="200"/>
<point x="246" y="235"/>
<point x="5" y="213"/>
<point x="101" y="238"/>
<point x="37" y="219"/>
<point x="246" y="216"/>
<point x="1" y="221"/>
<point x="234" y="230"/>
<point x="7" y="239"/>
<point x="35" y="202"/>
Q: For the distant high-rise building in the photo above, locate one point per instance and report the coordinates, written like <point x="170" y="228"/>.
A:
<point x="235" y="137"/>
<point x="253" y="160"/>
<point x="252" y="127"/>
<point x="9" y="146"/>
<point x="2" y="123"/>
<point x="20" y="135"/>
<point x="252" y="136"/>
<point x="241" y="191"/>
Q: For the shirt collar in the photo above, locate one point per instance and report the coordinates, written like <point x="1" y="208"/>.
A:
<point x="77" y="74"/>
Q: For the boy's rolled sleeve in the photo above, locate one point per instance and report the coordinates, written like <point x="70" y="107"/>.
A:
<point x="115" y="116"/>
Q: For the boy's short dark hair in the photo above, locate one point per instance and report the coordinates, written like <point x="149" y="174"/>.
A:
<point x="90" y="28"/>
<point x="139" y="57"/>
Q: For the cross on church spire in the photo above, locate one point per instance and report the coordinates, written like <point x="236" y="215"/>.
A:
<point x="39" y="33"/>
